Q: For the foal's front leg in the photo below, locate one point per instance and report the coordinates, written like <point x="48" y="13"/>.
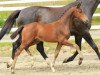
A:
<point x="65" y="42"/>
<point x="58" y="48"/>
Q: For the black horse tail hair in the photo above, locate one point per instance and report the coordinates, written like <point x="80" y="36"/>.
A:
<point x="18" y="31"/>
<point x="9" y="23"/>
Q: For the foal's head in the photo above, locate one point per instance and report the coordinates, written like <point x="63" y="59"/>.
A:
<point x="78" y="14"/>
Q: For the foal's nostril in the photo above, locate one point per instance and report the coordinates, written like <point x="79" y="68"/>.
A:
<point x="86" y="22"/>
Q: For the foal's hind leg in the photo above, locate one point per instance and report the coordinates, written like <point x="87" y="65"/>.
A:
<point x="19" y="50"/>
<point x="65" y="42"/>
<point x="15" y="45"/>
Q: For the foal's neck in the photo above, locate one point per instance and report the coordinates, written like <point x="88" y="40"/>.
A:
<point x="65" y="19"/>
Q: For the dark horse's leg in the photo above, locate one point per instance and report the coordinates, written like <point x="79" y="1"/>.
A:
<point x="15" y="45"/>
<point x="90" y="41"/>
<point x="40" y="48"/>
<point x="78" y="40"/>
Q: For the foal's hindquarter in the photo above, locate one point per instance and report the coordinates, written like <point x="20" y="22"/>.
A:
<point x="58" y="32"/>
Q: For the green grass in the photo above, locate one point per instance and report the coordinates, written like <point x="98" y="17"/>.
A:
<point x="5" y="14"/>
<point x="97" y="10"/>
<point x="5" y="49"/>
<point x="96" y="21"/>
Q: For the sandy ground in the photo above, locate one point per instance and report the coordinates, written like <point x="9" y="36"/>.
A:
<point x="90" y="65"/>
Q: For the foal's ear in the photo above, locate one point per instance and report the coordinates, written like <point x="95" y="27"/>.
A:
<point x="79" y="4"/>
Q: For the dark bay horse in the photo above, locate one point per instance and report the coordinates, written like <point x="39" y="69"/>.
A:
<point x="47" y="15"/>
<point x="55" y="32"/>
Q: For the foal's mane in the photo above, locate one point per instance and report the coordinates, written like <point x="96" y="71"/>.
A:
<point x="67" y="7"/>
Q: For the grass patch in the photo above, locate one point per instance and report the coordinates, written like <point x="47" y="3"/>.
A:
<point x="5" y="49"/>
<point x="95" y="21"/>
<point x="97" y="10"/>
<point x="5" y="14"/>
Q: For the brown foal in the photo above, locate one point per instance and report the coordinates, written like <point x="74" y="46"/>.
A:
<point x="56" y="32"/>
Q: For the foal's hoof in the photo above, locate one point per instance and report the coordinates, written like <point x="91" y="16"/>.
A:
<point x="53" y="70"/>
<point x="80" y="61"/>
<point x="12" y="71"/>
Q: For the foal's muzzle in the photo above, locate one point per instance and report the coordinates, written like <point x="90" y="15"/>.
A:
<point x="86" y="21"/>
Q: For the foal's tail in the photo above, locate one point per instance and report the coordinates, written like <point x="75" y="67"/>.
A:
<point x="17" y="32"/>
<point x="9" y="23"/>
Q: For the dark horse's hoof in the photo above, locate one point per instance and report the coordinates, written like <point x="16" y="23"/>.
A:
<point x="80" y="61"/>
<point x="68" y="60"/>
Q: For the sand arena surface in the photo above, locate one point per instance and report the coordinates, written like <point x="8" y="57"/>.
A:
<point x="90" y="65"/>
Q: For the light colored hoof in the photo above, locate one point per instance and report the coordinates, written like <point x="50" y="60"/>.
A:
<point x="53" y="70"/>
<point x="12" y="72"/>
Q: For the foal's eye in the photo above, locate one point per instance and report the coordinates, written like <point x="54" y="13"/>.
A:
<point x="80" y="11"/>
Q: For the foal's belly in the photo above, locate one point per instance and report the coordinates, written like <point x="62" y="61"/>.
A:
<point x="47" y="37"/>
<point x="47" y="34"/>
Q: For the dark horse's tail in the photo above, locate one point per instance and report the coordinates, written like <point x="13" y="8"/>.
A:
<point x="17" y="32"/>
<point x="9" y="23"/>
